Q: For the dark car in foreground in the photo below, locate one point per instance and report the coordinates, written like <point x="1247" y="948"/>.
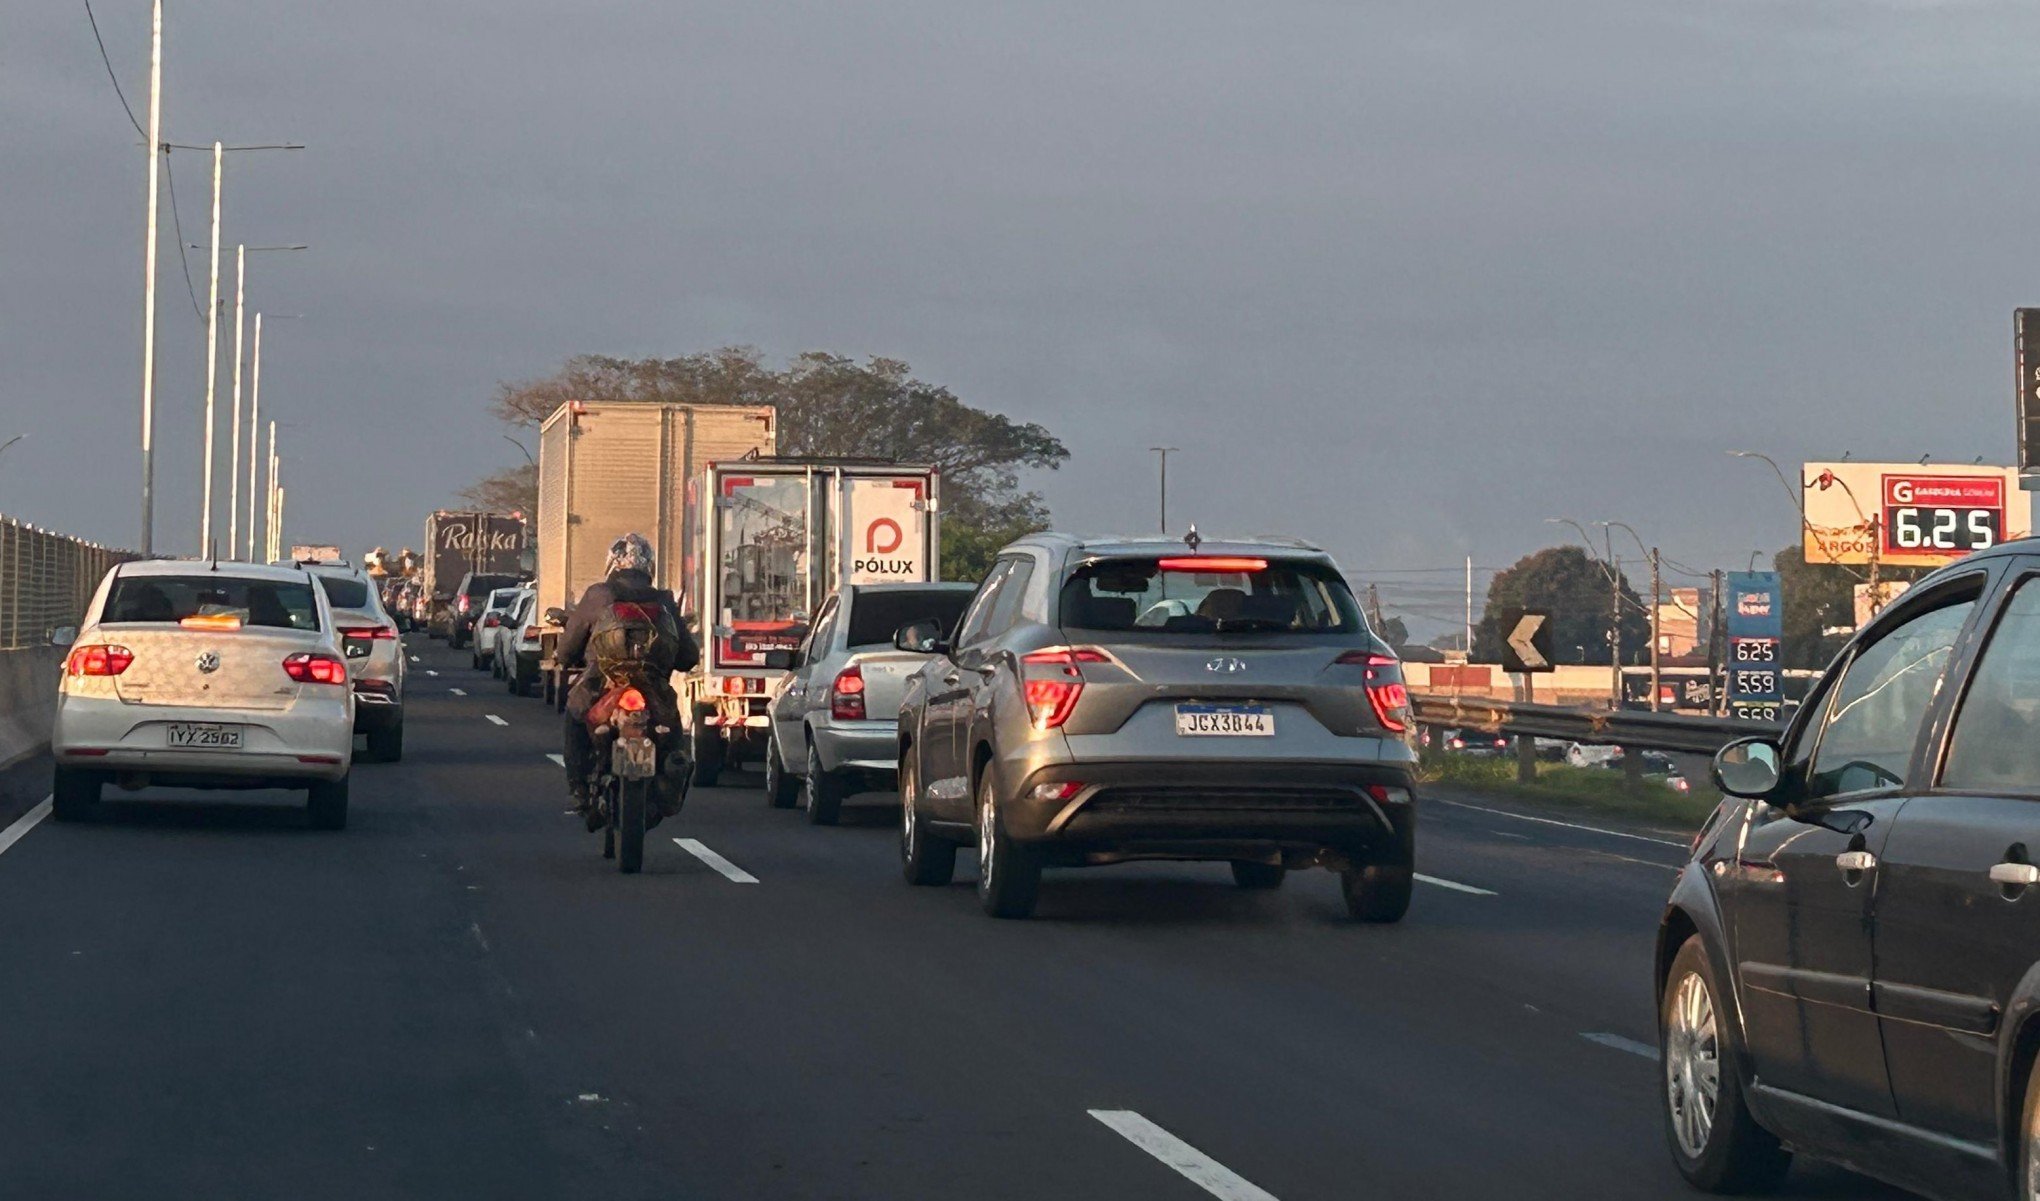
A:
<point x="1849" y="966"/>
<point x="1105" y="700"/>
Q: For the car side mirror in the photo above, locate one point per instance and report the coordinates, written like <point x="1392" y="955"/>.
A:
<point x="781" y="660"/>
<point x="1747" y="767"/>
<point x="921" y="638"/>
<point x="555" y="616"/>
<point x="63" y="635"/>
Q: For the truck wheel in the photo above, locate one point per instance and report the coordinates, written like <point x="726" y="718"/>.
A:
<point x="1257" y="876"/>
<point x="823" y="790"/>
<point x="74" y="795"/>
<point x="705" y="747"/>
<point x="781" y="790"/>
<point x="326" y="807"/>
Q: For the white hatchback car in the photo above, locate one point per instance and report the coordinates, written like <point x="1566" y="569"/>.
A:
<point x="489" y="627"/>
<point x="195" y="674"/>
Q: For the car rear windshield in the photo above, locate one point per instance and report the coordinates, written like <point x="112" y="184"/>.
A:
<point x="876" y="616"/>
<point x="477" y="585"/>
<point x="1213" y="594"/>
<point x="271" y="604"/>
<point x="343" y="592"/>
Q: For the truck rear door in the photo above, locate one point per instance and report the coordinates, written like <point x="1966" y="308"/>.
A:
<point x="886" y="526"/>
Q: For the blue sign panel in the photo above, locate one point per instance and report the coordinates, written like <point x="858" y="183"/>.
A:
<point x="1755" y="610"/>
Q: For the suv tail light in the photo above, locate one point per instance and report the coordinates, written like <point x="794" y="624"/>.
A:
<point x="308" y="668"/>
<point x="99" y="659"/>
<point x="1052" y="680"/>
<point x="377" y="633"/>
<point x="846" y="694"/>
<point x="1385" y="689"/>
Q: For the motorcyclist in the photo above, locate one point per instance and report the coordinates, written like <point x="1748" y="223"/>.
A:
<point x="627" y="577"/>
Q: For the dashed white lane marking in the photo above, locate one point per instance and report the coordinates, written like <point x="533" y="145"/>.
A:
<point x="458" y="691"/>
<point x="23" y="824"/>
<point x="497" y="720"/>
<point x="1190" y="1163"/>
<point x="414" y="658"/>
<point x="730" y="870"/>
<point x="1547" y="821"/>
<point x="559" y="759"/>
<point x="1454" y="885"/>
<point x="430" y="672"/>
<point x="1506" y="834"/>
<point x="1623" y="1044"/>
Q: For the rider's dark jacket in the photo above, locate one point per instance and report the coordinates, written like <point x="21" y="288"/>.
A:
<point x="627" y="585"/>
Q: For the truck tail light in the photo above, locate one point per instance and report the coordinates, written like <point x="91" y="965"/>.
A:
<point x="308" y="668"/>
<point x="1052" y="680"/>
<point x="1385" y="689"/>
<point x="846" y="694"/>
<point x="99" y="659"/>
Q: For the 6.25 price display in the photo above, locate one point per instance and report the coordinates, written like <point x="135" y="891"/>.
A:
<point x="1938" y="528"/>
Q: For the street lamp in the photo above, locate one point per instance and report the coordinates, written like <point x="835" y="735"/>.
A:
<point x="1656" y="606"/>
<point x="1165" y="452"/>
<point x="520" y="446"/>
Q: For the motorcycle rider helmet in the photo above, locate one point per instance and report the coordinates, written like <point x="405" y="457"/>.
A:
<point x="629" y="553"/>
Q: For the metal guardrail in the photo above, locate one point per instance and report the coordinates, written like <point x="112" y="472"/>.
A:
<point x="46" y="580"/>
<point x="1640" y="729"/>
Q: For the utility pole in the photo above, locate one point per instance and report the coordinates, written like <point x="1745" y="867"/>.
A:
<point x="1165" y="452"/>
<point x="1716" y="669"/>
<point x="149" y="287"/>
<point x="1876" y="545"/>
<point x="1615" y="631"/>
<point x="271" y="507"/>
<point x="212" y="350"/>
<point x="1374" y="607"/>
<point x="1657" y="637"/>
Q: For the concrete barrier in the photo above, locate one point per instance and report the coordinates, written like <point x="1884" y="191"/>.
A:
<point x="28" y="701"/>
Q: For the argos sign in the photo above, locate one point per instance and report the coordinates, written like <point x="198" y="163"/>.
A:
<point x="887" y="531"/>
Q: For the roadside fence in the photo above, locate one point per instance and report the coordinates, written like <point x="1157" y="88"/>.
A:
<point x="46" y="580"/>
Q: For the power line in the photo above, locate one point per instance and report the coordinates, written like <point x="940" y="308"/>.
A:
<point x="178" y="222"/>
<point x="109" y="72"/>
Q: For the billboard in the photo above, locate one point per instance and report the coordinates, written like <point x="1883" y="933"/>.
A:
<point x="1908" y="515"/>
<point x="1755" y="618"/>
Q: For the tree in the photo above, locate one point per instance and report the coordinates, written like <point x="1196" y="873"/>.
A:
<point x="1574" y="589"/>
<point x="832" y="405"/>
<point x="511" y="490"/>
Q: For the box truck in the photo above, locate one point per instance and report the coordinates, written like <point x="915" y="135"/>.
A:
<point x="771" y="539"/>
<point x="608" y="469"/>
<point x="458" y="542"/>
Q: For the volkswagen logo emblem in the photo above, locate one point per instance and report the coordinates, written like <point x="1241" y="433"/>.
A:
<point x="1226" y="664"/>
<point x="209" y="662"/>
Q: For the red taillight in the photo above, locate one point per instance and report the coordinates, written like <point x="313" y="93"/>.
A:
<point x="464" y="602"/>
<point x="307" y="668"/>
<point x="632" y="701"/>
<point x="99" y="659"/>
<point x="846" y="695"/>
<point x="1213" y="565"/>
<point x="1052" y="695"/>
<point x="379" y="633"/>
<point x="1385" y="689"/>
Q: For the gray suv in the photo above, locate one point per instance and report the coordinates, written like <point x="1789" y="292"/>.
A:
<point x="1104" y="700"/>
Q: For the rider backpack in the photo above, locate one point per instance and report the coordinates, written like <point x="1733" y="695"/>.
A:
<point x="630" y="634"/>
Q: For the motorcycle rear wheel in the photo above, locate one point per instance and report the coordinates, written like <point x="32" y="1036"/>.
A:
<point x="632" y="800"/>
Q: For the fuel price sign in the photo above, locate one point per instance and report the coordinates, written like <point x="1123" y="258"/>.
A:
<point x="1942" y="516"/>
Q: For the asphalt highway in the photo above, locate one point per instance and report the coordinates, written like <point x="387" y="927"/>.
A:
<point x="458" y="997"/>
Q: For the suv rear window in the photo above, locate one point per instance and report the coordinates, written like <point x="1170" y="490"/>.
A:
<point x="343" y="592"/>
<point x="480" y="584"/>
<point x="876" y="616"/>
<point x="271" y="604"/>
<point x="1209" y="595"/>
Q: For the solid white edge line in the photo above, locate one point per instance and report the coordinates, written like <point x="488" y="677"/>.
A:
<point x="560" y="760"/>
<point x="497" y="720"/>
<point x="1619" y="1043"/>
<point x="1454" y="885"/>
<point x="730" y="870"/>
<point x="26" y="822"/>
<point x="1547" y="821"/>
<point x="458" y="691"/>
<point x="1187" y="1161"/>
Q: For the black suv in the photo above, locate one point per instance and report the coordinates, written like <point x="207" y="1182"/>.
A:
<point x="1849" y="965"/>
<point x="469" y="599"/>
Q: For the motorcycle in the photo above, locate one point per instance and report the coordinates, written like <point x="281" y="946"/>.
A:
<point x="627" y="774"/>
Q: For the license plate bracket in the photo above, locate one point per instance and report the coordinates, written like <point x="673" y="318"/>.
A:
<point x="1225" y="721"/>
<point x="634" y="759"/>
<point x="204" y="736"/>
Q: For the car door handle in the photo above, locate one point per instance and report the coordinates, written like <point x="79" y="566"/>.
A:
<point x="988" y="670"/>
<point x="1855" y="861"/>
<point x="2015" y="875"/>
<point x="951" y="678"/>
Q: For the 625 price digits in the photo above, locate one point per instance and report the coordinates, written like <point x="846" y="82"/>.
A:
<point x="1917" y="527"/>
<point x="1756" y="650"/>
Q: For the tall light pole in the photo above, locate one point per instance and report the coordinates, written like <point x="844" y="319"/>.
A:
<point x="1656" y="605"/>
<point x="212" y="351"/>
<point x="255" y="426"/>
<point x="1165" y="452"/>
<point x="149" y="286"/>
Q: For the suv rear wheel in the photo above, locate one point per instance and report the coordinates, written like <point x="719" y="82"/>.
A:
<point x="1717" y="1146"/>
<point x="1009" y="874"/>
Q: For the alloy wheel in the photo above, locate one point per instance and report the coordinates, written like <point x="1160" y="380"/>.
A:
<point x="1693" y="1065"/>
<point x="987" y="830"/>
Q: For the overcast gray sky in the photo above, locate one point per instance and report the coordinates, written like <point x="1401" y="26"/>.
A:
<point x="1404" y="277"/>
